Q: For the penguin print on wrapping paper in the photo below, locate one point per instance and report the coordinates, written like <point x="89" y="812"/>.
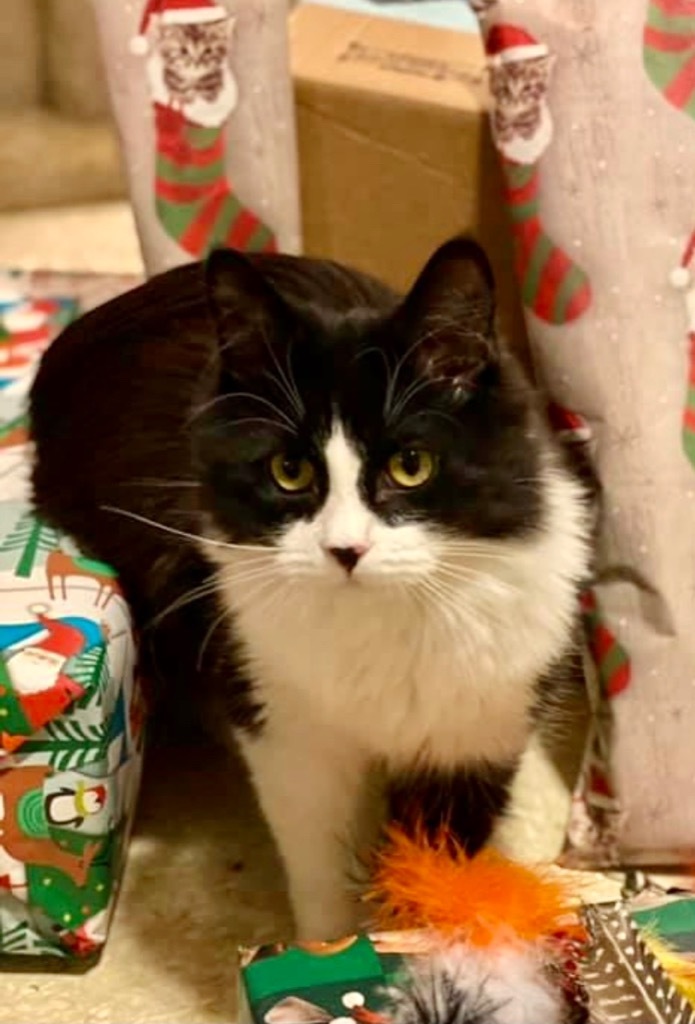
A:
<point x="26" y="828"/>
<point x="553" y="287"/>
<point x="185" y="44"/>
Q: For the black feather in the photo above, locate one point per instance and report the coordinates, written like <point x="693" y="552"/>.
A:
<point x="432" y="996"/>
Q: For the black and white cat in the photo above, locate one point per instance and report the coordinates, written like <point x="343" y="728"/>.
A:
<point x="339" y="515"/>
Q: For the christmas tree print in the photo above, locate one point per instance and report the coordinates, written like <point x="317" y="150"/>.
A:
<point x="669" y="51"/>
<point x="610" y="658"/>
<point x="193" y="91"/>
<point x="553" y="286"/>
<point x="70" y="743"/>
<point x="31" y="538"/>
<point x="14" y="432"/>
<point x="91" y="670"/>
<point x="22" y="939"/>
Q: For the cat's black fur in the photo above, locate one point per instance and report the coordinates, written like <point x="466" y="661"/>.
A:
<point x="142" y="406"/>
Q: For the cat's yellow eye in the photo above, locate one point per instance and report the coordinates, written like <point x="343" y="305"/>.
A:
<point x="292" y="475"/>
<point x="411" y="467"/>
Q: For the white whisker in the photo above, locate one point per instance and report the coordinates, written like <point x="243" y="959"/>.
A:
<point x="260" y="419"/>
<point x="286" y="382"/>
<point x="156" y="482"/>
<point x="197" y="538"/>
<point x="216" y="622"/>
<point x="233" y="395"/>
<point x="196" y="594"/>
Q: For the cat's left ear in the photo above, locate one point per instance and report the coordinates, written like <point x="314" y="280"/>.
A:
<point x="231" y="25"/>
<point x="251" y="319"/>
<point x="448" y="318"/>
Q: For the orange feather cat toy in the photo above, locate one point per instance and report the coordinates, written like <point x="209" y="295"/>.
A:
<point x="503" y="939"/>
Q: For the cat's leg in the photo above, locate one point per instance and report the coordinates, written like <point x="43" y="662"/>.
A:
<point x="312" y="789"/>
<point x="466" y="801"/>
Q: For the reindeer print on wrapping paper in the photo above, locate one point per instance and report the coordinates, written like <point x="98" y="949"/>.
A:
<point x="61" y="566"/>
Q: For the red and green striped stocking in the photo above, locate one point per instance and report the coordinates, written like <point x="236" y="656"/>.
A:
<point x="195" y="202"/>
<point x="669" y="60"/>
<point x="552" y="285"/>
<point x="689" y="410"/>
<point x="669" y="51"/>
<point x="610" y="658"/>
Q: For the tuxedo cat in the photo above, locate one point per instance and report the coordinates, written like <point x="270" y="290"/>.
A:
<point x="340" y="520"/>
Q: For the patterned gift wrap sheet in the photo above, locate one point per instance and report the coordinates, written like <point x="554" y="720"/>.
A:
<point x="71" y="712"/>
<point x="343" y="982"/>
<point x="357" y="980"/>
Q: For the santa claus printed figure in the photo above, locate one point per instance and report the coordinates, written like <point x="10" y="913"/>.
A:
<point x="36" y="671"/>
<point x="186" y="46"/>
<point x="27" y="327"/>
<point x="552" y="285"/>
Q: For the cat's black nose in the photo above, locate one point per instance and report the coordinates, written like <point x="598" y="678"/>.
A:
<point x="348" y="557"/>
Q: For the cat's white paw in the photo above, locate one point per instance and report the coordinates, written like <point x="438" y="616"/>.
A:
<point x="326" y="919"/>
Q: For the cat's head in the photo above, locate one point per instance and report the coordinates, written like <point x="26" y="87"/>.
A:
<point x="521" y="119"/>
<point x="195" y="48"/>
<point x="372" y="443"/>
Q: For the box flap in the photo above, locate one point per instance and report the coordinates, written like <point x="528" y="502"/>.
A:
<point x="416" y="63"/>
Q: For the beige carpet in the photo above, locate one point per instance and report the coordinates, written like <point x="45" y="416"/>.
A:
<point x="202" y="874"/>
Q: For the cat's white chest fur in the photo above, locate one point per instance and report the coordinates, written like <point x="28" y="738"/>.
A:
<point x="423" y="654"/>
<point x="431" y="649"/>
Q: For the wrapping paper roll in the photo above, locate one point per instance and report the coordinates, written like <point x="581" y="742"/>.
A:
<point x="594" y="119"/>
<point x="203" y="101"/>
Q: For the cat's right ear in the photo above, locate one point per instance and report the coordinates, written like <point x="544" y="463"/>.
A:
<point x="246" y="310"/>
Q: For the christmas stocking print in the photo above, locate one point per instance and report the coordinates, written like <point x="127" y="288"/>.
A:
<point x="669" y="51"/>
<point x="552" y="285"/>
<point x="186" y="46"/>
<point x="681" y="278"/>
<point x="610" y="659"/>
<point x="669" y="60"/>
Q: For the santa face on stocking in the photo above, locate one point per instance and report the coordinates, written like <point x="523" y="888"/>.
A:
<point x="520" y="72"/>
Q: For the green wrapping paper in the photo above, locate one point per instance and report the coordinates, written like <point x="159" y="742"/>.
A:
<point x="71" y="714"/>
<point x="356" y="981"/>
<point x="290" y="985"/>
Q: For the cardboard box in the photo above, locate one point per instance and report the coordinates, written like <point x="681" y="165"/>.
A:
<point x="394" y="146"/>
<point x="454" y="14"/>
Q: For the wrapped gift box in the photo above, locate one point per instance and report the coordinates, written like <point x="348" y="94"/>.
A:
<point x="291" y="985"/>
<point x="71" y="713"/>
<point x="360" y="979"/>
